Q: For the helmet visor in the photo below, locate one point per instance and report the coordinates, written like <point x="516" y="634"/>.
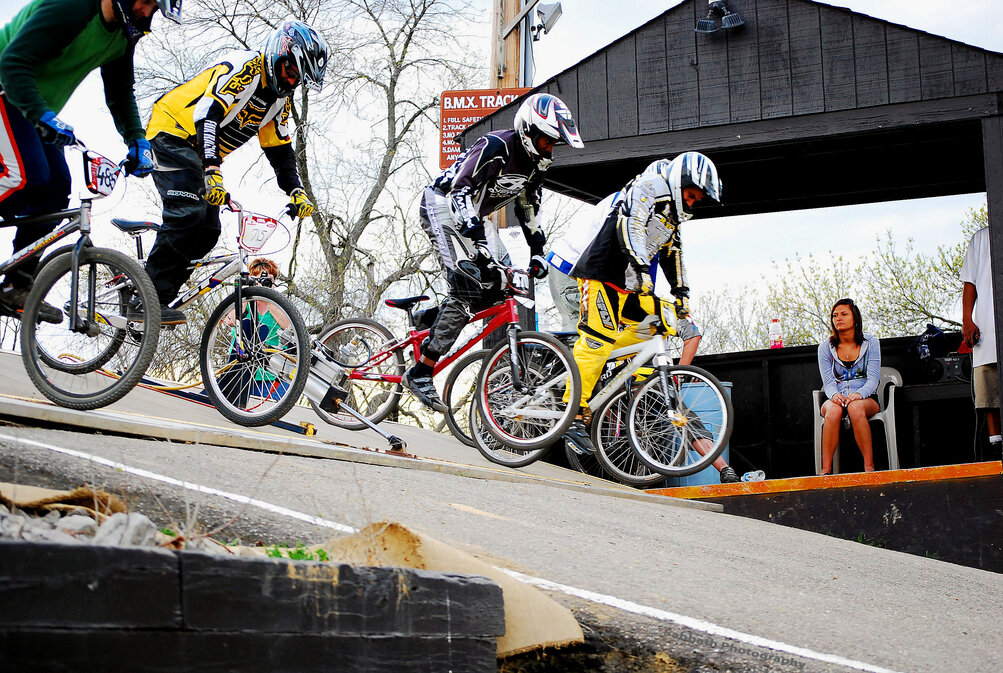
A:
<point x="568" y="129"/>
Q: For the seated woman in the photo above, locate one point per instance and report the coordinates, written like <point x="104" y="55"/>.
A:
<point x="850" y="365"/>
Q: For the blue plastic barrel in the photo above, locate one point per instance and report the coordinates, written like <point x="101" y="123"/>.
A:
<point x="708" y="475"/>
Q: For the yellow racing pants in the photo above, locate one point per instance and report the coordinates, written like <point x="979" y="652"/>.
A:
<point x="608" y="319"/>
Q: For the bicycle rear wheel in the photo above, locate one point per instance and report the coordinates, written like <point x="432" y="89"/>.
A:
<point x="362" y="346"/>
<point x="613" y="448"/>
<point x="251" y="367"/>
<point x="520" y="395"/>
<point x="103" y="359"/>
<point x="586" y="463"/>
<point x="497" y="452"/>
<point x="458" y="394"/>
<point x="680" y="430"/>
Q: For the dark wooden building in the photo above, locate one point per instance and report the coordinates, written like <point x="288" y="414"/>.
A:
<point x="807" y="105"/>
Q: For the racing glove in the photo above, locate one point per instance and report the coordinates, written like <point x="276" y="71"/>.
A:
<point x="538" y="267"/>
<point x="215" y="192"/>
<point x="54" y="130"/>
<point x="139" y="160"/>
<point x="682" y="306"/>
<point x="299" y="205"/>
<point x="646" y="286"/>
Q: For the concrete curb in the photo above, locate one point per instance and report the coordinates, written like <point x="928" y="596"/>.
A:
<point x="127" y="424"/>
<point x="65" y="607"/>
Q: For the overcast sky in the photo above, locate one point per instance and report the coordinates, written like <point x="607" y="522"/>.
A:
<point x="739" y="250"/>
<point x="732" y="250"/>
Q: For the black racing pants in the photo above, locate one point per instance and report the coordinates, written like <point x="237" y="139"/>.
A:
<point x="191" y="226"/>
<point x="34" y="180"/>
<point x="466" y="295"/>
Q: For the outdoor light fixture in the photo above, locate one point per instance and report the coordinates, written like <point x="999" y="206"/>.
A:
<point x="546" y="17"/>
<point x="717" y="10"/>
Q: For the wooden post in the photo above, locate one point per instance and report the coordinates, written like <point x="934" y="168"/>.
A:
<point x="505" y="65"/>
<point x="506" y="72"/>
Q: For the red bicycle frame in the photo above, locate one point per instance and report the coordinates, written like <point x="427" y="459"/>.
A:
<point x="499" y="315"/>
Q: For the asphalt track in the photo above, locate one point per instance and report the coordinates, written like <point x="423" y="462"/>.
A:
<point x="684" y="577"/>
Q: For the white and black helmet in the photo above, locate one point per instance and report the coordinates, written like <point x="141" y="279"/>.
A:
<point x="301" y="47"/>
<point x="543" y="114"/>
<point x="689" y="168"/>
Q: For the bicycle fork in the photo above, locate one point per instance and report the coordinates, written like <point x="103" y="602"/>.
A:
<point x="88" y="325"/>
<point x="513" y="358"/>
<point x="663" y="361"/>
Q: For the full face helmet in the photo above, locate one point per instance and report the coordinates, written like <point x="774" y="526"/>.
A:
<point x="136" y="27"/>
<point x="545" y="115"/>
<point x="303" y="52"/>
<point x="688" y="169"/>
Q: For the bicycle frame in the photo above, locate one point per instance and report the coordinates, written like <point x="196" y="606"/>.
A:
<point x="652" y="349"/>
<point x="101" y="179"/>
<point x="501" y="314"/>
<point x="79" y="220"/>
<point x="231" y="263"/>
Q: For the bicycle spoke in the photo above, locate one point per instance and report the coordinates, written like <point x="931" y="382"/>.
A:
<point x="681" y="430"/>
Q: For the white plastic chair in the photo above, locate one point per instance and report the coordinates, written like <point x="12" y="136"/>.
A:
<point x="889" y="379"/>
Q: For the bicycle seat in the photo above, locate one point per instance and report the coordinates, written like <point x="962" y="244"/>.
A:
<point x="134" y="226"/>
<point x="406" y="303"/>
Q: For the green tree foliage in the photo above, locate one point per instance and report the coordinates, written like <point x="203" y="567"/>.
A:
<point x="897" y="289"/>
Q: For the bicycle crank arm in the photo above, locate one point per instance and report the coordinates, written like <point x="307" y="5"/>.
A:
<point x="396" y="443"/>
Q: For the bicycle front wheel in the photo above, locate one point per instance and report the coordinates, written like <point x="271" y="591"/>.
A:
<point x="497" y="452"/>
<point x="520" y="393"/>
<point x="612" y="441"/>
<point x="458" y="394"/>
<point x="681" y="421"/>
<point x="105" y="356"/>
<point x="365" y="348"/>
<point x="251" y="365"/>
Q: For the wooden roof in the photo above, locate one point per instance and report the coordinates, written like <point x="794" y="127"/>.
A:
<point x="806" y="105"/>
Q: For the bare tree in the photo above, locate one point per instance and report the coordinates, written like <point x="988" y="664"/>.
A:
<point x="897" y="289"/>
<point x="362" y="144"/>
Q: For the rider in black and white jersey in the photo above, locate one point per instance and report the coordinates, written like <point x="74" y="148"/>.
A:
<point x="498" y="168"/>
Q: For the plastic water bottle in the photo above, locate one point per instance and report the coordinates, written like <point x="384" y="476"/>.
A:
<point x="776" y="334"/>
<point x="757" y="475"/>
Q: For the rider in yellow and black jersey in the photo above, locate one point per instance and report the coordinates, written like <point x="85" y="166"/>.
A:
<point x="198" y="123"/>
<point x="619" y="254"/>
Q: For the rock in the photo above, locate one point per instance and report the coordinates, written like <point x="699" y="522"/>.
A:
<point x="125" y="530"/>
<point x="76" y="523"/>
<point x="40" y="533"/>
<point x="10" y="527"/>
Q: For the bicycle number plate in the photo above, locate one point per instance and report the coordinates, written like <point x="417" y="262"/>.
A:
<point x="255" y="230"/>
<point x="100" y="173"/>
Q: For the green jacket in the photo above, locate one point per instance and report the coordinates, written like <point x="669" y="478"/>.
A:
<point x="52" y="45"/>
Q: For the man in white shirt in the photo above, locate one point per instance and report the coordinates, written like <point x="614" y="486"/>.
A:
<point x="977" y="313"/>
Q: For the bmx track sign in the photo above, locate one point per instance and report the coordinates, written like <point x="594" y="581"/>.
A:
<point x="460" y="109"/>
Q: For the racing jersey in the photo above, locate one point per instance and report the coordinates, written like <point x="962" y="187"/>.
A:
<point x="492" y="173"/>
<point x="48" y="49"/>
<point x="222" y="107"/>
<point x="638" y="233"/>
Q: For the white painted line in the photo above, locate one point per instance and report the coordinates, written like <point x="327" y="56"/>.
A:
<point x="695" y="624"/>
<point x="619" y="603"/>
<point x="146" y="474"/>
